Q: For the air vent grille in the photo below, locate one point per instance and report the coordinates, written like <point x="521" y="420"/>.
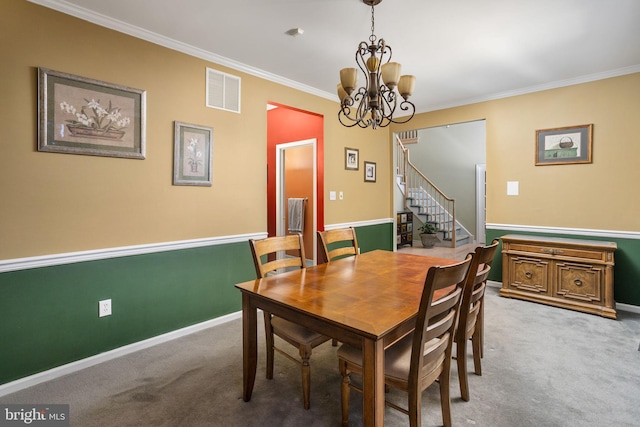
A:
<point x="223" y="91"/>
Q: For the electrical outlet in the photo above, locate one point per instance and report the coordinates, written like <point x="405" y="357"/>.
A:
<point x="104" y="308"/>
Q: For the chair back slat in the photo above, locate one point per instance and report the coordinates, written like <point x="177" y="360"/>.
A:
<point x="265" y="252"/>
<point x="337" y="243"/>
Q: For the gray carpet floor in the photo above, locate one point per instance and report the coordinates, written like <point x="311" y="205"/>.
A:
<point x="543" y="366"/>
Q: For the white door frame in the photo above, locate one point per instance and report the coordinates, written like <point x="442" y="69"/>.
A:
<point x="281" y="227"/>
<point x="481" y="203"/>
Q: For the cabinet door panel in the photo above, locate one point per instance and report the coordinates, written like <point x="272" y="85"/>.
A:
<point x="529" y="274"/>
<point x="579" y="282"/>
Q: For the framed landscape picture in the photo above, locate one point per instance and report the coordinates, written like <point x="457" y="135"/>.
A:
<point x="565" y="145"/>
<point x="192" y="158"/>
<point x="78" y="115"/>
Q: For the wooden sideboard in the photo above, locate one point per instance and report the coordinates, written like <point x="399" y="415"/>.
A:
<point x="569" y="273"/>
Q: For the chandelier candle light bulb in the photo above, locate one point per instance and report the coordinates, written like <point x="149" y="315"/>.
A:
<point x="374" y="104"/>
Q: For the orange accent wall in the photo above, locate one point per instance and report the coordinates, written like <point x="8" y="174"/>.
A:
<point x="298" y="170"/>
<point x="285" y="124"/>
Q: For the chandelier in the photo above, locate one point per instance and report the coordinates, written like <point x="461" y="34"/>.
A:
<point x="375" y="103"/>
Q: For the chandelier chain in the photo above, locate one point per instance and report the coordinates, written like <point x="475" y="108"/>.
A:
<point x="372" y="37"/>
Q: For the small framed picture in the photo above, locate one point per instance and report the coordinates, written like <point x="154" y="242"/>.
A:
<point x="369" y="172"/>
<point x="562" y="146"/>
<point x="192" y="159"/>
<point x="79" y="115"/>
<point x="351" y="159"/>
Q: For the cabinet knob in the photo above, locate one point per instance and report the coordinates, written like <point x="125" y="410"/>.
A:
<point x="528" y="274"/>
<point x="577" y="281"/>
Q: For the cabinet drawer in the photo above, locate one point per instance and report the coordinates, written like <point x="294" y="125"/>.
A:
<point x="529" y="274"/>
<point x="587" y="254"/>
<point x="578" y="282"/>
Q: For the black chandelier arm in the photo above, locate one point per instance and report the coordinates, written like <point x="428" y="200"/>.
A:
<point x="406" y="106"/>
<point x="354" y="109"/>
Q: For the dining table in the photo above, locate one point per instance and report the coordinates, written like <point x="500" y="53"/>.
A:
<point x="370" y="301"/>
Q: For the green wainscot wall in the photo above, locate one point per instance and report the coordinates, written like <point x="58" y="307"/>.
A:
<point x="49" y="315"/>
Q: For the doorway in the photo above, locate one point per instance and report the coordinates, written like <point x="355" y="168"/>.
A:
<point x="448" y="155"/>
<point x="296" y="176"/>
<point x="301" y="134"/>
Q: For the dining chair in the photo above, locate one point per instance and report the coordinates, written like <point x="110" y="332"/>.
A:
<point x="488" y="260"/>
<point x="468" y="326"/>
<point x="338" y="243"/>
<point x="423" y="356"/>
<point x="298" y="336"/>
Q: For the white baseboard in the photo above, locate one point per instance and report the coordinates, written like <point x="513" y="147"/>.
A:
<point x="69" y="368"/>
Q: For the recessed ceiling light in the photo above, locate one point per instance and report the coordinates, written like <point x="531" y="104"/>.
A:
<point x="295" y="32"/>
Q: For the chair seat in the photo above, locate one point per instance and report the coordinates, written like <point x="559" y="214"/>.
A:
<point x="305" y="336"/>
<point x="397" y="358"/>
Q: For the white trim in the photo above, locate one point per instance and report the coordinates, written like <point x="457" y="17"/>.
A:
<point x="281" y="227"/>
<point x="140" y="33"/>
<point x="619" y="306"/>
<point x="99" y="254"/>
<point x="562" y="230"/>
<point x="69" y="368"/>
<point x="358" y="223"/>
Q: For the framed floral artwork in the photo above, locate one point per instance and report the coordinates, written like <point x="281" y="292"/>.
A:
<point x="192" y="158"/>
<point x="78" y="115"/>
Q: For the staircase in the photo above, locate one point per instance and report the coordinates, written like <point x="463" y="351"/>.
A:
<point x="427" y="202"/>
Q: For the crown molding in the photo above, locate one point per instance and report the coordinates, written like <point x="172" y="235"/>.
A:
<point x="538" y="88"/>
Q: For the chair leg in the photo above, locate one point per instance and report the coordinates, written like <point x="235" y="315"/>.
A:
<point x="414" y="407"/>
<point x="345" y="390"/>
<point x="477" y="352"/>
<point x="461" y="358"/>
<point x="480" y="326"/>
<point x="334" y="342"/>
<point x="306" y="380"/>
<point x="268" y="331"/>
<point x="445" y="398"/>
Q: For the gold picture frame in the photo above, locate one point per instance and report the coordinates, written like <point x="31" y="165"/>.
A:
<point x="564" y="145"/>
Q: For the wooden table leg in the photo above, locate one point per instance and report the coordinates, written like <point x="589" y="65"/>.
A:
<point x="373" y="383"/>
<point x="249" y="346"/>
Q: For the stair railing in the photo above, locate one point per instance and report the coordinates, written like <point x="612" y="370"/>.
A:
<point x="437" y="206"/>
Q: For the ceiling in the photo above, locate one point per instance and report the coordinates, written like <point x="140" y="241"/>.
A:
<point x="461" y="51"/>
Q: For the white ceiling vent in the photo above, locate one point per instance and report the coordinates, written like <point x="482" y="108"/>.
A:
<point x="223" y="91"/>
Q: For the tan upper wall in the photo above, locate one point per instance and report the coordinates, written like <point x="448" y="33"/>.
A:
<point x="57" y="203"/>
<point x="597" y="196"/>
